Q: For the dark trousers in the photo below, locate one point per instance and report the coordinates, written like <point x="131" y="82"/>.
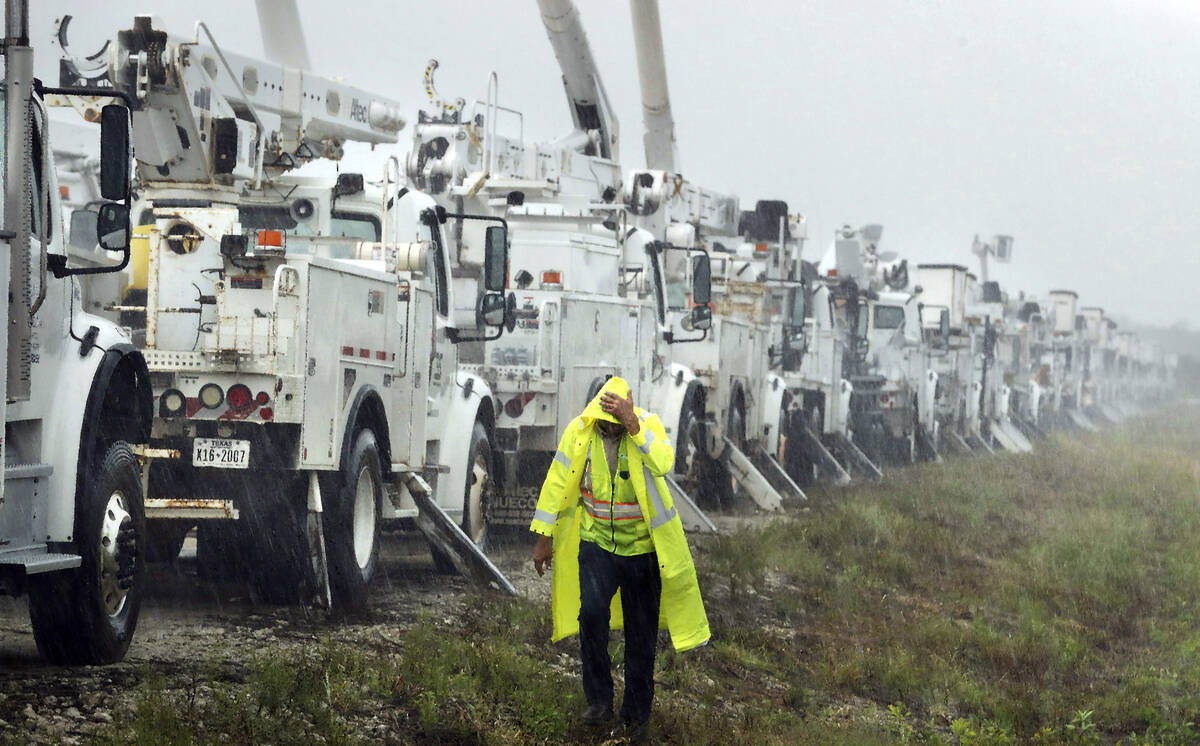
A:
<point x="601" y="573"/>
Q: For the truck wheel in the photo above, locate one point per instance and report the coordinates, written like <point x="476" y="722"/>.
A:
<point x="352" y="518"/>
<point x="274" y="537"/>
<point x="477" y="494"/>
<point x="688" y="442"/>
<point x="87" y="616"/>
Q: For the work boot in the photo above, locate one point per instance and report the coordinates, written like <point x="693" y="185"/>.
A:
<point x="597" y="715"/>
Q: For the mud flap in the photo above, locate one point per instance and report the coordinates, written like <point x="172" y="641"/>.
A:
<point x="857" y="459"/>
<point x="751" y="479"/>
<point x="447" y="536"/>
<point x="316" y="542"/>
<point x="825" y="460"/>
<point x="693" y="519"/>
<point x="775" y="474"/>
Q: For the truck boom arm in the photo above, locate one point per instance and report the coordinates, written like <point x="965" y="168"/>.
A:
<point x="661" y="153"/>
<point x="590" y="110"/>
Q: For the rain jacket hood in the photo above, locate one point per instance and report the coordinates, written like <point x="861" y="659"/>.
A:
<point x="559" y="512"/>
<point x="594" y="411"/>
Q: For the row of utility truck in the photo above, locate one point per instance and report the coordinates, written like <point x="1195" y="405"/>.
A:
<point x="287" y="356"/>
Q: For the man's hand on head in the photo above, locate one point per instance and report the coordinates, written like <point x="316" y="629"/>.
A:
<point x="623" y="410"/>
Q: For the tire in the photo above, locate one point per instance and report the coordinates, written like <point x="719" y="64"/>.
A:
<point x="87" y="616"/>
<point x="164" y="539"/>
<point x="352" y="519"/>
<point x="689" y="441"/>
<point x="273" y="536"/>
<point x="797" y="461"/>
<point x="477" y="492"/>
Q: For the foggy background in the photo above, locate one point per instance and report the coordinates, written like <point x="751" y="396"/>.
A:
<point x="1070" y="124"/>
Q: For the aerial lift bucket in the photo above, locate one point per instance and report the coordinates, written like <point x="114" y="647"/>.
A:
<point x="445" y="534"/>
<point x="751" y="479"/>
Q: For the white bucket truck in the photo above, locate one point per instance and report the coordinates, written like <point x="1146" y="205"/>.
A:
<point x="300" y="331"/>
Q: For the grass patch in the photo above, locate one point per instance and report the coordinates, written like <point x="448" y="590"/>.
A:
<point x="1045" y="599"/>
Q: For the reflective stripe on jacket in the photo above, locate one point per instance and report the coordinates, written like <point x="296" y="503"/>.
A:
<point x="559" y="513"/>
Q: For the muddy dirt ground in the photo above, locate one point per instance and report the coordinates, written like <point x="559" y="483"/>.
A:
<point x="187" y="623"/>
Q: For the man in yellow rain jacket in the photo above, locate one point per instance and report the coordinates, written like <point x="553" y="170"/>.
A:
<point x="606" y="522"/>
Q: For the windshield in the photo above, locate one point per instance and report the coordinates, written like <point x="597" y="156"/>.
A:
<point x="889" y="317"/>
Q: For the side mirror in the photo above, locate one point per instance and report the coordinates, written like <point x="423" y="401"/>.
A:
<point x="495" y="259"/>
<point x="112" y="226"/>
<point x="944" y="324"/>
<point x="863" y="321"/>
<point x="114" y="153"/>
<point x="794" y="312"/>
<point x="701" y="318"/>
<point x="701" y="280"/>
<point x="492" y="310"/>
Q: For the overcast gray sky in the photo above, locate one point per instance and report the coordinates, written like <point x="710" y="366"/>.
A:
<point x="1071" y="124"/>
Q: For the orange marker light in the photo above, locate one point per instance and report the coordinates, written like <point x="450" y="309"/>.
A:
<point x="270" y="238"/>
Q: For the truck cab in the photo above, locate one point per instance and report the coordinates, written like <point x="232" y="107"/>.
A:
<point x="77" y="393"/>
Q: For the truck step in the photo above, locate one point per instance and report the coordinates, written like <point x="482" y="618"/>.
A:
<point x="694" y="520"/>
<point x="752" y="480"/>
<point x="27" y="471"/>
<point x="442" y="532"/>
<point x="39" y="560"/>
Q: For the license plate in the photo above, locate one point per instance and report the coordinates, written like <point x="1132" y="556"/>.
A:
<point x="221" y="453"/>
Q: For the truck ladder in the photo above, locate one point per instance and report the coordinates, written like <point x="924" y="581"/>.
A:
<point x="775" y="474"/>
<point x="445" y="534"/>
<point x="857" y="459"/>
<point x="694" y="520"/>
<point x="825" y="460"/>
<point x="751" y="479"/>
